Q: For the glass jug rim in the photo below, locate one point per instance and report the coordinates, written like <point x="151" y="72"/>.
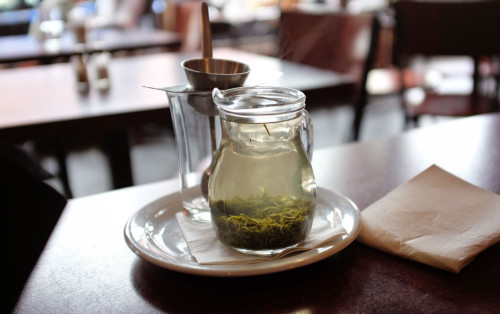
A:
<point x="259" y="103"/>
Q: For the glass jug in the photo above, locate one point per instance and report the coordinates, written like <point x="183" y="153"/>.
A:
<point x="262" y="190"/>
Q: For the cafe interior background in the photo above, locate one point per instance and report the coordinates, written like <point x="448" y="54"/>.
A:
<point x="250" y="25"/>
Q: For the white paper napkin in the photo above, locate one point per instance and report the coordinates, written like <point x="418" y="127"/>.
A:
<point x="207" y="249"/>
<point x="435" y="218"/>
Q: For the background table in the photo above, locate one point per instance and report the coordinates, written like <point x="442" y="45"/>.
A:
<point x="88" y="266"/>
<point x="41" y="103"/>
<point x="18" y="48"/>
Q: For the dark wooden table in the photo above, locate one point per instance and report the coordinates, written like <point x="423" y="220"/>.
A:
<point x="41" y="103"/>
<point x="18" y="48"/>
<point x="87" y="265"/>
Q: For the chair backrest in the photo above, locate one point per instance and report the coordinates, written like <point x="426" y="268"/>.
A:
<point x="339" y="41"/>
<point x="188" y="24"/>
<point x="447" y="28"/>
<point x="184" y="18"/>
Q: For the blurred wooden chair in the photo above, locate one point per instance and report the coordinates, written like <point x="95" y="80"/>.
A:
<point x="340" y="41"/>
<point x="426" y="29"/>
<point x="188" y="23"/>
<point x="183" y="17"/>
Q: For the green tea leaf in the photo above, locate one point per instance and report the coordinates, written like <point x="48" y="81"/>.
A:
<point x="262" y="223"/>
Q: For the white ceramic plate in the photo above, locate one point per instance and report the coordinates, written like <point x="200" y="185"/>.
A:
<point x="154" y="235"/>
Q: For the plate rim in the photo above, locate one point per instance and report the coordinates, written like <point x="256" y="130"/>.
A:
<point x="240" y="270"/>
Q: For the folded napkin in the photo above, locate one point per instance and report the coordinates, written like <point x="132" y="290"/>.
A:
<point x="435" y="218"/>
<point x="207" y="249"/>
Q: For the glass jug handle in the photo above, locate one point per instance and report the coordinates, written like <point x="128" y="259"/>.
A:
<point x="307" y="127"/>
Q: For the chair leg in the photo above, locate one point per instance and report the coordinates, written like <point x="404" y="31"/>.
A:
<point x="117" y="150"/>
<point x="356" y="126"/>
<point x="407" y="122"/>
<point x="411" y="121"/>
<point x="415" y="120"/>
<point x="359" y="108"/>
<point x="60" y="155"/>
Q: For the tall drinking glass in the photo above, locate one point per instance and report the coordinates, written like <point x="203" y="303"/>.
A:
<point x="191" y="111"/>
